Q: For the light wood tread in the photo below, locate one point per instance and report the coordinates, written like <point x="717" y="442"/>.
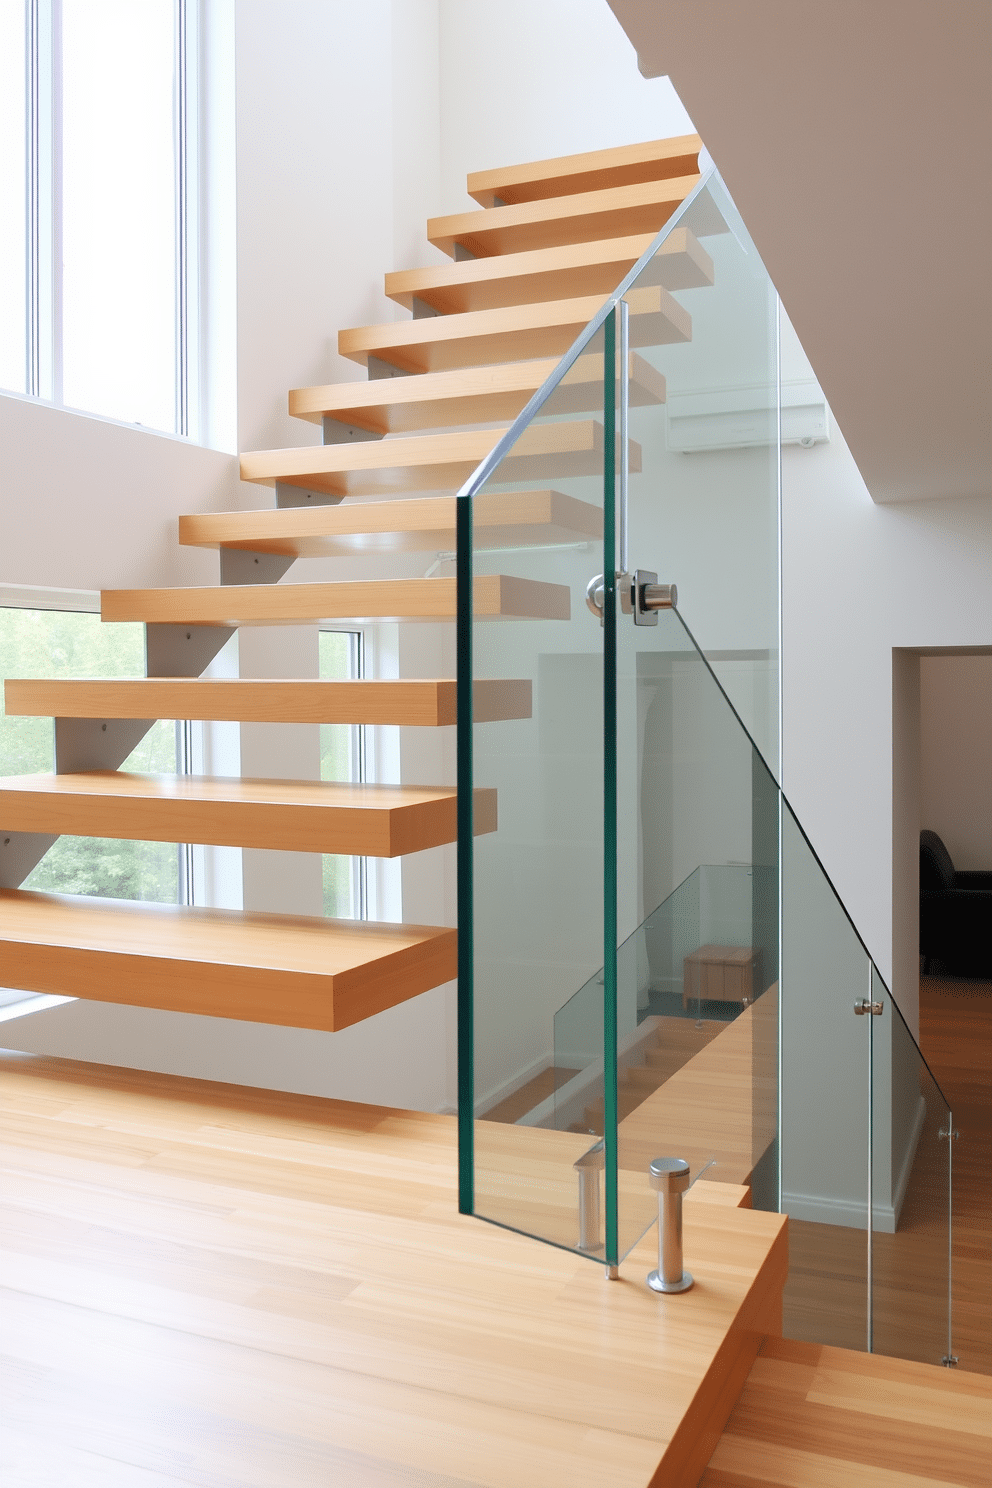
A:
<point x="495" y="596"/>
<point x="590" y="216"/>
<point x="481" y="395"/>
<point x="267" y="1247"/>
<point x="718" y="1107"/>
<point x="381" y="821"/>
<point x="622" y="165"/>
<point x="292" y="970"/>
<point x="514" y="333"/>
<point x="422" y="524"/>
<point x="812" y="1414"/>
<point x="434" y="462"/>
<point x="564" y="272"/>
<point x="427" y="703"/>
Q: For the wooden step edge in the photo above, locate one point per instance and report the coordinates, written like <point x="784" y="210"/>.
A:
<point x="623" y="165"/>
<point x="285" y="816"/>
<point x="539" y="274"/>
<point x="502" y="519"/>
<point x="495" y="596"/>
<point x="397" y="337"/>
<point x="493" y="393"/>
<point x="472" y="230"/>
<point x="291" y="971"/>
<point x="422" y="703"/>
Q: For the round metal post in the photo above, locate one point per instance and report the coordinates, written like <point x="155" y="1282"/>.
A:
<point x="670" y="1177"/>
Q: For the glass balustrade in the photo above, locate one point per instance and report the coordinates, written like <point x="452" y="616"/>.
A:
<point x="653" y="960"/>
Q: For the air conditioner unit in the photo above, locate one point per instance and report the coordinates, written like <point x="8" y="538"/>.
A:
<point x="743" y="417"/>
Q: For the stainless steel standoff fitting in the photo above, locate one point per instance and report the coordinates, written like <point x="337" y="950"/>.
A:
<point x="670" y="1177"/>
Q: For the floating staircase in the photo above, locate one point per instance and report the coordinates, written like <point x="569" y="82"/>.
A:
<point x="531" y="265"/>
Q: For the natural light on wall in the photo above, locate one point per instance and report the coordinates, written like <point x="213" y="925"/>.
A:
<point x="95" y="189"/>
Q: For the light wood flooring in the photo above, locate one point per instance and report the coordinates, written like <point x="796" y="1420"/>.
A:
<point x="818" y="1417"/>
<point x="825" y="1295"/>
<point x="228" y="1288"/>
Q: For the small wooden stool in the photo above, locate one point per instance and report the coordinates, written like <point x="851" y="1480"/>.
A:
<point x="717" y="973"/>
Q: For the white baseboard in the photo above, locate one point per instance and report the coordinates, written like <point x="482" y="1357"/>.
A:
<point x="853" y="1213"/>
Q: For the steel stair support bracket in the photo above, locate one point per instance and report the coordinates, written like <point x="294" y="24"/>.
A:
<point x="20" y="854"/>
<point x="287" y="495"/>
<point x="242" y="566"/>
<point x="336" y="431"/>
<point x="423" y="311"/>
<point x="183" y="650"/>
<point x="96" y="743"/>
<point x="378" y="369"/>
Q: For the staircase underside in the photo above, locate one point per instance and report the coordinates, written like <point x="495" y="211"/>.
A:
<point x="240" y="1286"/>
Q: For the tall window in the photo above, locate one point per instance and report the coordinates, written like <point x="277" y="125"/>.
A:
<point x="97" y="117"/>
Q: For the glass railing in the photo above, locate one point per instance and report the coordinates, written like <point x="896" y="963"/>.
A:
<point x="622" y="948"/>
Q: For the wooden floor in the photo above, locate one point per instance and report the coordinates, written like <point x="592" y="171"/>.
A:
<point x="825" y="1295"/>
<point x="815" y="1417"/>
<point x="242" y="1289"/>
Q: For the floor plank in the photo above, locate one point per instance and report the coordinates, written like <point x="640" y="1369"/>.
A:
<point x="213" y="1286"/>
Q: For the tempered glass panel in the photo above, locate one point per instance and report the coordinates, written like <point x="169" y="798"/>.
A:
<point x="13" y="196"/>
<point x="911" y="1195"/>
<point x="54" y="643"/>
<point x="119" y="210"/>
<point x="826" y="1060"/>
<point x="697" y="980"/>
<point x="538" y="917"/>
<point x="704" y="476"/>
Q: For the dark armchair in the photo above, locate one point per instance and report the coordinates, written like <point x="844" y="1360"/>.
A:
<point x="955" y="913"/>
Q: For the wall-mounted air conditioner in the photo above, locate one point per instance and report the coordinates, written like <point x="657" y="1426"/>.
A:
<point x="742" y="417"/>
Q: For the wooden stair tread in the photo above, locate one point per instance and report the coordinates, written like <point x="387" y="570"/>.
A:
<point x="433" y="462"/>
<point x="512" y="333"/>
<point x="383" y="821"/>
<point x="495" y="596"/>
<point x="810" y="1413"/>
<point x="414" y="702"/>
<point x="484" y="395"/>
<point x="426" y="523"/>
<point x="590" y="216"/>
<point x="287" y="969"/>
<point x="564" y="272"/>
<point x="623" y="165"/>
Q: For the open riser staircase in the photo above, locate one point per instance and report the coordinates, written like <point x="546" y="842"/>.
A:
<point x="530" y="266"/>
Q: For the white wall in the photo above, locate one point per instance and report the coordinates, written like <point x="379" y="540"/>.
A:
<point x="956" y="755"/>
<point x="862" y="582"/>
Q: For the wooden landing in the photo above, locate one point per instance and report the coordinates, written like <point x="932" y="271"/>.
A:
<point x="719" y="1109"/>
<point x="286" y="969"/>
<point x="482" y="337"/>
<point x="380" y="821"/>
<point x="617" y="211"/>
<point x="471" y="395"/>
<point x="552" y="273"/>
<point x="400" y="701"/>
<point x="495" y="596"/>
<point x="501" y="519"/>
<point x="624" y="165"/>
<point x="220" y="1286"/>
<point x="433" y="462"/>
<point x="812" y="1415"/>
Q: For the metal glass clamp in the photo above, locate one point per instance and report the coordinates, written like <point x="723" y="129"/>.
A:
<point x="875" y="1008"/>
<point x="639" y="594"/>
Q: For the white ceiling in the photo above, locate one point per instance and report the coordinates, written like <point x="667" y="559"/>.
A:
<point x="856" y="138"/>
